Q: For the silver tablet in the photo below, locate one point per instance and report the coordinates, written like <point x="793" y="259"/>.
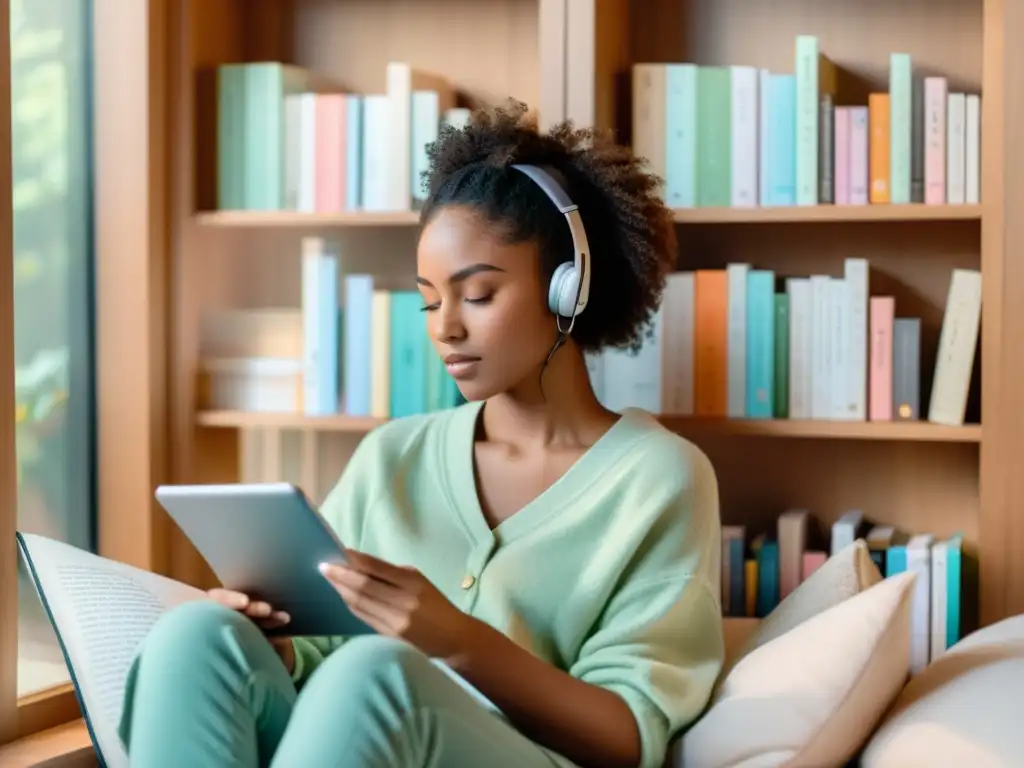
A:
<point x="266" y="540"/>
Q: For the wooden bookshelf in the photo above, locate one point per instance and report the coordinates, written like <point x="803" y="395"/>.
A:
<point x="782" y="215"/>
<point x="918" y="476"/>
<point x="910" y="431"/>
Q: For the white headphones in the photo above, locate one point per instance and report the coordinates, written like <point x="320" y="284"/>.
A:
<point x="570" y="284"/>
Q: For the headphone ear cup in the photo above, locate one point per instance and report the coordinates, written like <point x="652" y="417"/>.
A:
<point x="562" y="290"/>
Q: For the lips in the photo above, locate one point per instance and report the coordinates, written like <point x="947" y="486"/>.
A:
<point x="461" y="366"/>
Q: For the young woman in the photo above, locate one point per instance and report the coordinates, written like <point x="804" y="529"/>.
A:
<point x="542" y="573"/>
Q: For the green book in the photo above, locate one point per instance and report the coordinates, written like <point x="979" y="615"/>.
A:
<point x="780" y="408"/>
<point x="714" y="137"/>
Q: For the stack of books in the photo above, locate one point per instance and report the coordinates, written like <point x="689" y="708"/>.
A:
<point x="760" y="571"/>
<point x="290" y="140"/>
<point x="740" y="136"/>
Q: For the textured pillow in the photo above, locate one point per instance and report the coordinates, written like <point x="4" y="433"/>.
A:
<point x="847" y="573"/>
<point x="962" y="709"/>
<point x="812" y="696"/>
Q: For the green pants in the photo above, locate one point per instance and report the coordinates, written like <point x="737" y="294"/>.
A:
<point x="207" y="689"/>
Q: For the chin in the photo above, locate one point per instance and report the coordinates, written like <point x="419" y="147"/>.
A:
<point x="475" y="391"/>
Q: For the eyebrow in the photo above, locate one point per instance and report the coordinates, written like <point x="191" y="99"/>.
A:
<point x="463" y="273"/>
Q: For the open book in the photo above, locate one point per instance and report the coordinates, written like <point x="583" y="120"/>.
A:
<point x="101" y="610"/>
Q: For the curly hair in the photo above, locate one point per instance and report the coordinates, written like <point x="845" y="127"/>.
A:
<point x="630" y="230"/>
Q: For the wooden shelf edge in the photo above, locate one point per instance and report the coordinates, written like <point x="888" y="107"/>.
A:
<point x="828" y="213"/>
<point x="288" y="219"/>
<point x="909" y="431"/>
<point x="785" y="214"/>
<point x="65" y="746"/>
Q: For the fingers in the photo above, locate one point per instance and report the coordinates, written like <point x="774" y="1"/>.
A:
<point x="380" y="569"/>
<point x="258" y="610"/>
<point x="365" y="587"/>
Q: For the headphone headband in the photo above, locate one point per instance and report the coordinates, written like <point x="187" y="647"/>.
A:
<point x="570" y="285"/>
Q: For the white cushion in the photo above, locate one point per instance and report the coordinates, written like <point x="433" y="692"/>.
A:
<point x="811" y="696"/>
<point x="846" y="573"/>
<point x="962" y="709"/>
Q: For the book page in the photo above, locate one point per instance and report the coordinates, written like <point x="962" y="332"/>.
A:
<point x="102" y="610"/>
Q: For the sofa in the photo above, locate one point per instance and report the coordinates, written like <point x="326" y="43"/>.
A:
<point x="824" y="680"/>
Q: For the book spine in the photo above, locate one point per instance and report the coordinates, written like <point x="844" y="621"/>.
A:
<point x="900" y="127"/>
<point x="935" y="140"/>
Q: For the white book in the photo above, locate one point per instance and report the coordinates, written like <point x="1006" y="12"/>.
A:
<point x="312" y="252"/>
<point x="677" y="345"/>
<point x="935" y="89"/>
<point x="380" y="355"/>
<point x="855" y="275"/>
<point x="958" y="343"/>
<point x="821" y="342"/>
<point x="377" y="162"/>
<point x="402" y="80"/>
<point x="839" y="344"/>
<point x="736" y="341"/>
<point x="426" y="122"/>
<point x="745" y="119"/>
<point x="763" y="148"/>
<point x="101" y="611"/>
<point x="956" y="148"/>
<point x="595" y="370"/>
<point x="919" y="562"/>
<point x="972" y="149"/>
<point x="940" y="566"/>
<point x="800" y="347"/>
<point x="845" y="530"/>
<point x="634" y="380"/>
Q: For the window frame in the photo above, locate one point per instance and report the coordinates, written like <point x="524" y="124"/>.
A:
<point x="130" y="230"/>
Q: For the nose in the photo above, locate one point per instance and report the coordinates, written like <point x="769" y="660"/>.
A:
<point x="447" y="322"/>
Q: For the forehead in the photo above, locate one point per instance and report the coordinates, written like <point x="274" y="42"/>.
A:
<point x="457" y="237"/>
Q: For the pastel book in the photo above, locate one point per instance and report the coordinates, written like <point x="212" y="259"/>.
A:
<point x="741" y="136"/>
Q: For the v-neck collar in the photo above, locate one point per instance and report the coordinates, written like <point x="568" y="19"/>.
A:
<point x="460" y="464"/>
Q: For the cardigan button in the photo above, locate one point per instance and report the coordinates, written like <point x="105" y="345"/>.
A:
<point x="467" y="581"/>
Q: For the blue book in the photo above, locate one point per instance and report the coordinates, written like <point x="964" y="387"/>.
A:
<point x="760" y="343"/>
<point x="954" y="588"/>
<point x="781" y="139"/>
<point x="358" y="366"/>
<point x="737" y="578"/>
<point x="353" y="152"/>
<point x="327" y="363"/>
<point x="767" y="578"/>
<point x="408" y="354"/>
<point x="896" y="560"/>
<point x="681" y="135"/>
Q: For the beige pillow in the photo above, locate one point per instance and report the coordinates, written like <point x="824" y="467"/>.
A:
<point x="847" y="573"/>
<point x="962" y="709"/>
<point x="812" y="696"/>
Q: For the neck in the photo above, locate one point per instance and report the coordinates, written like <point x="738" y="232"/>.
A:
<point x="558" y="408"/>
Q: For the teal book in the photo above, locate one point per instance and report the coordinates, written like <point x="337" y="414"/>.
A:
<point x="442" y="391"/>
<point x="781" y="104"/>
<point x="767" y="578"/>
<point x="760" y="343"/>
<point x="408" y="354"/>
<point x="231" y="180"/>
<point x="954" y="588"/>
<point x="896" y="560"/>
<point x="714" y="137"/>
<point x="901" y="95"/>
<point x="780" y="408"/>
<point x="266" y="85"/>
<point x="681" y="135"/>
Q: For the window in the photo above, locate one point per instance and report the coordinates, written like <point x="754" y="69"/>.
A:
<point x="53" y="279"/>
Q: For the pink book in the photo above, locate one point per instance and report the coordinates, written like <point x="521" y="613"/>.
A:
<point x="812" y="562"/>
<point x="858" y="155"/>
<point x="841" y="144"/>
<point x="881" y="314"/>
<point x="330" y="153"/>
<point x="935" y="140"/>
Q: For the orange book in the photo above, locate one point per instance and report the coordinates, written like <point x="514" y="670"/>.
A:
<point x="878" y="147"/>
<point x="711" y="359"/>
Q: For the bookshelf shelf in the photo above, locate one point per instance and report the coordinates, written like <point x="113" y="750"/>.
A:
<point x="782" y="215"/>
<point x="828" y="213"/>
<point x="914" y="431"/>
<point x="289" y="219"/>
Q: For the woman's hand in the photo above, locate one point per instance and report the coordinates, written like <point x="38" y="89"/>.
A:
<point x="399" y="601"/>
<point x="263" y="615"/>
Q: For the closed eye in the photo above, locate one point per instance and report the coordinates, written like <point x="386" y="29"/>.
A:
<point x="481" y="300"/>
